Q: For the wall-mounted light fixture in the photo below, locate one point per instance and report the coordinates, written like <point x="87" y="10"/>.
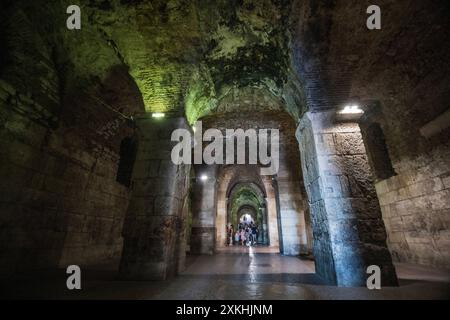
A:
<point x="158" y="115"/>
<point x="351" y="109"/>
<point x="203" y="177"/>
<point x="351" y="112"/>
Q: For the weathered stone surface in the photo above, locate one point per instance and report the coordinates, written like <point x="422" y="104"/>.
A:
<point x="63" y="187"/>
<point x="415" y="202"/>
<point x="346" y="217"/>
<point x="153" y="235"/>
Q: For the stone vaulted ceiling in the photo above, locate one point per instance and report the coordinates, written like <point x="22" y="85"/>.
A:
<point x="198" y="57"/>
<point x="193" y="57"/>
<point x="201" y="55"/>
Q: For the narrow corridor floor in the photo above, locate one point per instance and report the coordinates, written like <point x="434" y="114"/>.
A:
<point x="240" y="274"/>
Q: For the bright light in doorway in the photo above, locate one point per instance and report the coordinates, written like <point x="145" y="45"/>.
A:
<point x="204" y="177"/>
<point x="158" y="115"/>
<point x="351" y="109"/>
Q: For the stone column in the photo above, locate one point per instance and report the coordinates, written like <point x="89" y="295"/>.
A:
<point x="349" y="234"/>
<point x="204" y="211"/>
<point x="292" y="216"/>
<point x="221" y="220"/>
<point x="291" y="198"/>
<point x="272" y="219"/>
<point x="181" y="245"/>
<point x="154" y="220"/>
<point x="263" y="233"/>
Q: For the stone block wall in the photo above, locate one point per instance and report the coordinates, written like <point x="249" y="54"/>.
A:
<point x="323" y="254"/>
<point x="60" y="203"/>
<point x="155" y="221"/>
<point x="292" y="201"/>
<point x="347" y="223"/>
<point x="222" y="204"/>
<point x="60" y="136"/>
<point x="275" y="239"/>
<point x="204" y="206"/>
<point x="416" y="209"/>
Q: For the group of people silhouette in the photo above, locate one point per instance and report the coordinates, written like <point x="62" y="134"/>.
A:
<point x="246" y="234"/>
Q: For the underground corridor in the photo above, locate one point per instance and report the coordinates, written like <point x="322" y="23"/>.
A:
<point x="230" y="150"/>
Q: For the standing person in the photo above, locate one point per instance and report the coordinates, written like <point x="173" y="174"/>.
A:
<point x="254" y="234"/>
<point x="237" y="237"/>
<point x="248" y="236"/>
<point x="257" y="233"/>
<point x="242" y="237"/>
<point x="230" y="235"/>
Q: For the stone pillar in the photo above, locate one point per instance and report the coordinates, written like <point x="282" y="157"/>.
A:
<point x="263" y="232"/>
<point x="291" y="198"/>
<point x="271" y="214"/>
<point x="222" y="211"/>
<point x="181" y="245"/>
<point x="221" y="221"/>
<point x="349" y="234"/>
<point x="154" y="221"/>
<point x="204" y="211"/>
<point x="292" y="216"/>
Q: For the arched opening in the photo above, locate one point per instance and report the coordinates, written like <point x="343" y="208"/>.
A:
<point x="245" y="217"/>
<point x="241" y="190"/>
<point x="247" y="208"/>
<point x="277" y="200"/>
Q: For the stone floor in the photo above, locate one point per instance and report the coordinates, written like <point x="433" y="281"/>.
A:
<point x="244" y="249"/>
<point x="237" y="273"/>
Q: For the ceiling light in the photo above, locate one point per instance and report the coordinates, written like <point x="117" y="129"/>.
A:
<point x="351" y="109"/>
<point x="158" y="115"/>
<point x="350" y="113"/>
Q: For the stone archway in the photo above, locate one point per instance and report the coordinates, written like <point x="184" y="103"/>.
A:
<point x="258" y="218"/>
<point x="248" y="211"/>
<point x="247" y="214"/>
<point x="235" y="179"/>
<point x="249" y="196"/>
